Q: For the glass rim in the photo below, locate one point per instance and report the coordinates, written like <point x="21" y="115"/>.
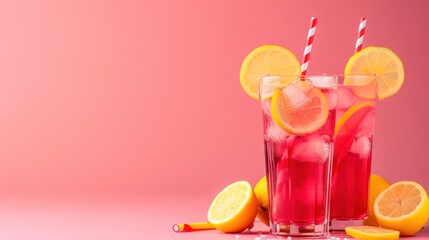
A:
<point x="319" y="75"/>
<point x="321" y="80"/>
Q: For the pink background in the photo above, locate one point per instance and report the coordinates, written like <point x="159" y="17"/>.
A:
<point x="140" y="101"/>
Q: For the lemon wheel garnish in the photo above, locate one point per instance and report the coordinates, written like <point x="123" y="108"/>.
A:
<point x="263" y="61"/>
<point x="380" y="61"/>
<point x="299" y="108"/>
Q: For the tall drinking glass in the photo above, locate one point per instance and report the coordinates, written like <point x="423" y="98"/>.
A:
<point x="299" y="120"/>
<point x="354" y="133"/>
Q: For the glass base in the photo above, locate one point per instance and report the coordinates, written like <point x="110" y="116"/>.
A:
<point x="312" y="230"/>
<point x="340" y="225"/>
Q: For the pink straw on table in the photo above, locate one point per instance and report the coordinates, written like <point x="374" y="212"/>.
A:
<point x="361" y="34"/>
<point x="307" y="51"/>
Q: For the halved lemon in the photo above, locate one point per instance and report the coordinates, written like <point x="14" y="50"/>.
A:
<point x="372" y="233"/>
<point x="299" y="108"/>
<point x="352" y="117"/>
<point x="234" y="209"/>
<point x="380" y="61"/>
<point x="263" y="61"/>
<point x="403" y="206"/>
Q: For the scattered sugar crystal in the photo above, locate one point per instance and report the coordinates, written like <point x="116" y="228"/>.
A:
<point x="262" y="236"/>
<point x="257" y="238"/>
<point x="237" y="236"/>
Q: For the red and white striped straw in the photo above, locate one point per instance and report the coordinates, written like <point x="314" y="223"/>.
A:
<point x="361" y="34"/>
<point x="307" y="51"/>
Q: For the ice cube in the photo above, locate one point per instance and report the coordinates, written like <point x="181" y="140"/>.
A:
<point x="275" y="150"/>
<point x="323" y="81"/>
<point x="331" y="96"/>
<point x="345" y="98"/>
<point x="311" y="148"/>
<point x="275" y="134"/>
<point x="296" y="96"/>
<point x="362" y="145"/>
<point x="269" y="85"/>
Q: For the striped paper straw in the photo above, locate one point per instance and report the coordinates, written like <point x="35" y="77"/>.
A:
<point x="188" y="227"/>
<point x="307" y="51"/>
<point x="361" y="34"/>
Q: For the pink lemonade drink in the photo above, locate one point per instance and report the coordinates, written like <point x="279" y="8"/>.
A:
<point x="354" y="133"/>
<point x="298" y="142"/>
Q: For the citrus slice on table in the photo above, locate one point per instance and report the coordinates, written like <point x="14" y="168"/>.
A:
<point x="299" y="108"/>
<point x="234" y="209"/>
<point x="370" y="233"/>
<point x="377" y="184"/>
<point x="403" y="206"/>
<point x="380" y="61"/>
<point x="263" y="61"/>
<point x="352" y="117"/>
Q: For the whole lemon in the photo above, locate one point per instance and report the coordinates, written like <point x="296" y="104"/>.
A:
<point x="377" y="184"/>
<point x="261" y="193"/>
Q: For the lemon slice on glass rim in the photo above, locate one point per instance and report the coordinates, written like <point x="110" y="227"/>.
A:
<point x="382" y="62"/>
<point x="265" y="61"/>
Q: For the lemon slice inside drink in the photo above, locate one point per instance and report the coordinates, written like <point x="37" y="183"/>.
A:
<point x="351" y="118"/>
<point x="299" y="108"/>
